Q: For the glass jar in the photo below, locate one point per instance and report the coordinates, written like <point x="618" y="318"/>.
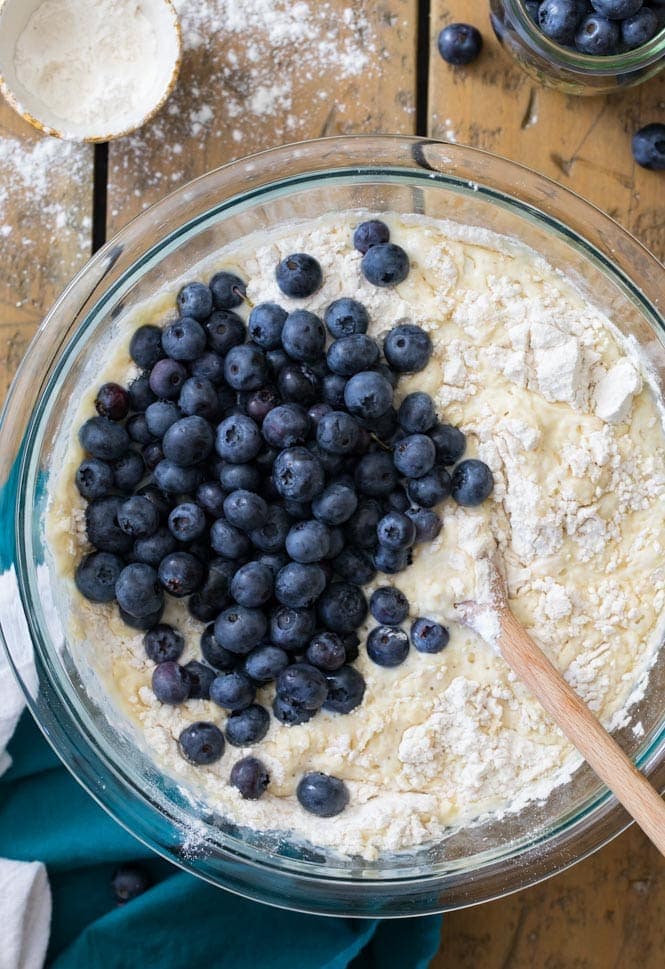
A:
<point x="568" y="70"/>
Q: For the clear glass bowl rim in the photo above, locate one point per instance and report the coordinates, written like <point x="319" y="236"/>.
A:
<point x="603" y="818"/>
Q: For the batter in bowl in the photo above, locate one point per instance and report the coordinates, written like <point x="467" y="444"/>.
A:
<point x="561" y="409"/>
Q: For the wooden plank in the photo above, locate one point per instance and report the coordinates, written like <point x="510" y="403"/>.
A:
<point x="609" y="911"/>
<point x="283" y="73"/>
<point x="583" y="143"/>
<point x="45" y="229"/>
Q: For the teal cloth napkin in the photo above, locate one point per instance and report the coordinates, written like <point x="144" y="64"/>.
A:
<point x="181" y="922"/>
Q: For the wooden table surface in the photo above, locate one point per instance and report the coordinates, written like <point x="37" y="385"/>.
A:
<point x="245" y="88"/>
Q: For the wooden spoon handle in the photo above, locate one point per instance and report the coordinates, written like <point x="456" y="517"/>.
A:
<point x="575" y="719"/>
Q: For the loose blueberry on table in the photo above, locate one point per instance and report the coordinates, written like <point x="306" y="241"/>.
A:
<point x="281" y="480"/>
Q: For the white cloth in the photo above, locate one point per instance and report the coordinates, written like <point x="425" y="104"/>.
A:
<point x="25" y="894"/>
<point x="25" y="914"/>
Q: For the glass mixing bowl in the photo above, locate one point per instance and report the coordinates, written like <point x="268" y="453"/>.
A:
<point x="408" y="175"/>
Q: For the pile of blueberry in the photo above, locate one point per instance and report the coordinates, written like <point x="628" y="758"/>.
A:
<point x="598" y="27"/>
<point x="263" y="472"/>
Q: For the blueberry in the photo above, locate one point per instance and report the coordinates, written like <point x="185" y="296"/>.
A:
<point x="245" y="510"/>
<point x="209" y="366"/>
<point x="238" y="439"/>
<point x="303" y="336"/>
<point x="428" y="524"/>
<point x="252" y="585"/>
<point x="558" y="19"/>
<point x="299" y="511"/>
<point x="240" y="629"/>
<point x="214" y="654"/>
<point x="265" y="325"/>
<point x="160" y="500"/>
<point x="354" y="565"/>
<point x="187" y="522"/>
<point x="337" y="433"/>
<point x="332" y="464"/>
<point x="210" y="497"/>
<point x="285" y="426"/>
<point x="459" y="44"/>
<point x="432" y="488"/>
<point x="277" y="360"/>
<point x="199" y="397"/>
<point x="391" y="560"/>
<point x="449" y="442"/>
<point x="174" y="479"/>
<point x="407" y="348"/>
<point x="224" y="330"/>
<point x="181" y="573"/>
<point x="616" y="9"/>
<point x="184" y="340"/>
<point x="137" y="427"/>
<point x="302" y="685"/>
<point x="361" y="528"/>
<point x="140" y="391"/>
<point x="298" y="382"/>
<point x="229" y="541"/>
<point x="370" y="233"/>
<point x="265" y="663"/>
<point x="163" y="643"/>
<point x="352" y="354"/>
<point x="96" y="576"/>
<point x="102" y="526"/>
<point x="94" y="478"/>
<point x="228" y="290"/>
<point x="151" y="549"/>
<point x="200" y="679"/>
<point x="398" y="500"/>
<point x="138" y="517"/>
<point x="333" y="388"/>
<point x="129" y="881"/>
<point x="271" y="536"/>
<point x="128" y="471"/>
<point x="596" y="35"/>
<point x="195" y="300"/>
<point x="417" y="413"/>
<point x="249" y="775"/>
<point x="342" y="607"/>
<point x="649" y="146"/>
<point x="472" y="482"/>
<point x="274" y="560"/>
<point x="152" y="454"/>
<point x="137" y="590"/>
<point x="414" y="455"/>
<point x="167" y="378"/>
<point x="639" y="28"/>
<point x="188" y="441"/>
<point x="145" y="346"/>
<point x="103" y="438"/>
<point x="233" y="691"/>
<point x="326" y="651"/>
<point x="428" y="636"/>
<point x="289" y="714"/>
<point x="299" y="275"/>
<point x="112" y="401"/>
<point x="368" y="395"/>
<point x="161" y="415"/>
<point x="396" y="531"/>
<point x="389" y="606"/>
<point x="299" y="586"/>
<point x="387" y="646"/>
<point x="386" y="427"/>
<point x="245" y="368"/>
<point x="308" y="541"/>
<point x="345" y="317"/>
<point x="322" y="794"/>
<point x="336" y="504"/>
<point x="261" y="402"/>
<point x="292" y="628"/>
<point x="237" y="477"/>
<point x="141" y="622"/>
<point x="298" y="474"/>
<point x="346" y="689"/>
<point x="385" y="264"/>
<point x="248" y="726"/>
<point x="375" y="474"/>
<point x="336" y="542"/>
<point x="201" y="743"/>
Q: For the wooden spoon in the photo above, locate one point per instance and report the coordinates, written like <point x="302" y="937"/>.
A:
<point x="495" y="620"/>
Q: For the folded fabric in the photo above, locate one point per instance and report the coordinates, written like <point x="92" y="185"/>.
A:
<point x="180" y="921"/>
<point x="25" y="914"/>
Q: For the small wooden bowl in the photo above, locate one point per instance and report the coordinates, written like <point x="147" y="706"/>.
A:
<point x="14" y="16"/>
